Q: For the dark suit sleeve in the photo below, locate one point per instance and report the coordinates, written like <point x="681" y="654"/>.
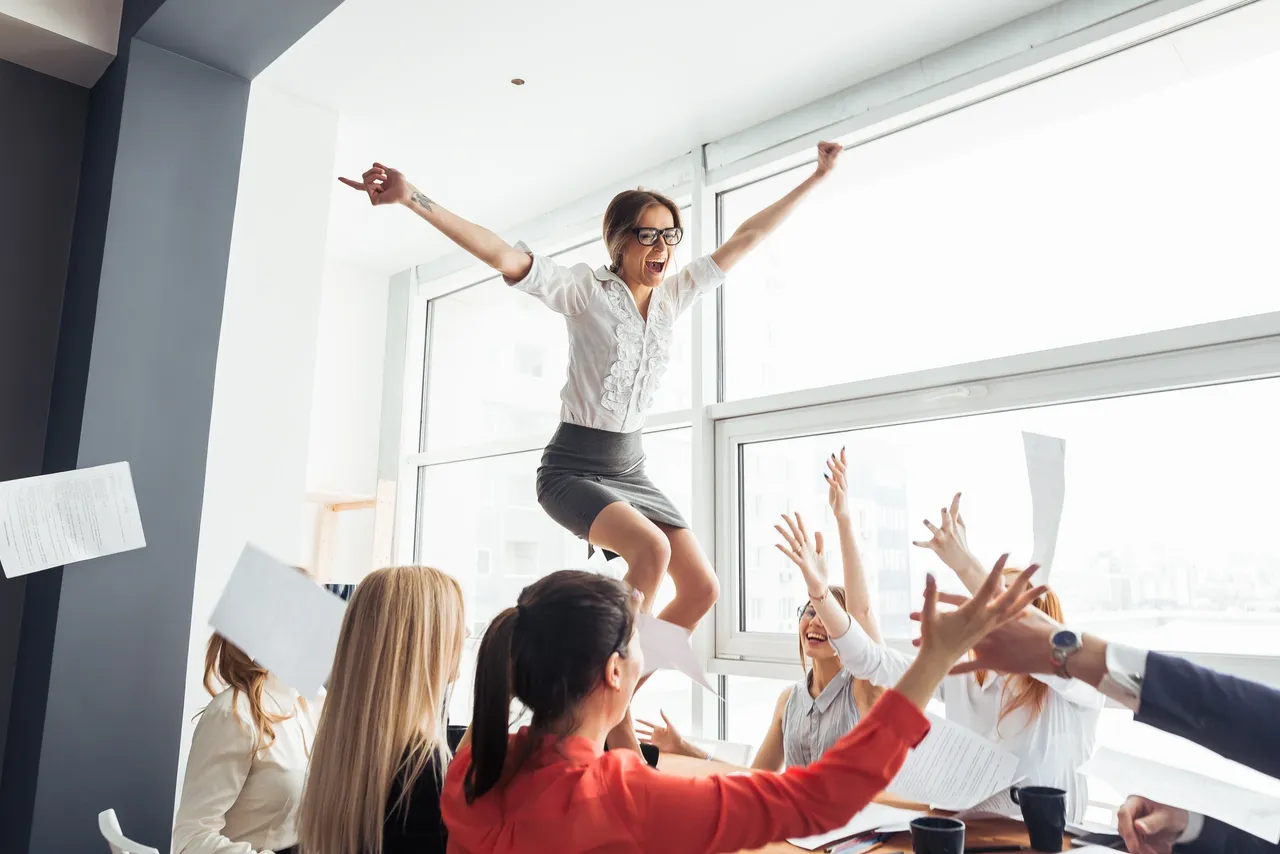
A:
<point x="1219" y="838"/>
<point x="1232" y="717"/>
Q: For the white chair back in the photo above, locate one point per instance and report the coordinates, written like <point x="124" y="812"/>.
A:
<point x="109" y="826"/>
<point x="726" y="751"/>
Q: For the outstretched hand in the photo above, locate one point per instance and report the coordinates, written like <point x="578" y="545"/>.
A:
<point x="384" y="186"/>
<point x="950" y="541"/>
<point x="1020" y="645"/>
<point x="950" y="634"/>
<point x="804" y="553"/>
<point x="663" y="736"/>
<point x="828" y="154"/>
<point x="838" y="485"/>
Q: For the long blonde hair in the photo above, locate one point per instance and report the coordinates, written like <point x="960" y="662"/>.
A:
<point x="864" y="693"/>
<point x="237" y="671"/>
<point x="383" y="718"/>
<point x="1023" y="691"/>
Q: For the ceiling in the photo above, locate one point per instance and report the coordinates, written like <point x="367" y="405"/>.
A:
<point x="612" y="89"/>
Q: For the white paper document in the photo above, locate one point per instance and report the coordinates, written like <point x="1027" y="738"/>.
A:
<point x="871" y="817"/>
<point x="953" y="768"/>
<point x="1251" y="811"/>
<point x="1047" y="474"/>
<point x="282" y="619"/>
<point x="62" y="518"/>
<point x="666" y="647"/>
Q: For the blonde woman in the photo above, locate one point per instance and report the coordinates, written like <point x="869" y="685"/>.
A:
<point x="248" y="760"/>
<point x="828" y="701"/>
<point x="381" y="752"/>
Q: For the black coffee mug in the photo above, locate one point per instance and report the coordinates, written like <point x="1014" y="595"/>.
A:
<point x="1044" y="810"/>
<point x="937" y="835"/>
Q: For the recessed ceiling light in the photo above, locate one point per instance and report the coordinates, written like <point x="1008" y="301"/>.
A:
<point x="517" y="81"/>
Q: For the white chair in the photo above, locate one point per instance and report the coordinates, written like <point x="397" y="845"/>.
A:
<point x="726" y="751"/>
<point x="118" y="842"/>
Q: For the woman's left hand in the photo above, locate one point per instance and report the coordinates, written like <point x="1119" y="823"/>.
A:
<point x="828" y="153"/>
<point x="837" y="485"/>
<point x="806" y="554"/>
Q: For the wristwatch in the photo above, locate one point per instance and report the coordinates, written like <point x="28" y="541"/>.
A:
<point x="1066" y="643"/>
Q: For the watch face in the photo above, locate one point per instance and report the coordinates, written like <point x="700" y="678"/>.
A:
<point x="1066" y="639"/>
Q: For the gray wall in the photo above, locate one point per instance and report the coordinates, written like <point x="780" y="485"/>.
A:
<point x="99" y="685"/>
<point x="40" y="170"/>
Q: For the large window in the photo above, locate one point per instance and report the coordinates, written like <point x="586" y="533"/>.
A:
<point x="1029" y="221"/>
<point x="1162" y="541"/>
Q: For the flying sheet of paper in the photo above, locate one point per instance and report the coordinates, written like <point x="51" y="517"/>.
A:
<point x="1251" y="811"/>
<point x="282" y="619"/>
<point x="953" y="768"/>
<point x="871" y="817"/>
<point x="666" y="647"/>
<point x="1047" y="474"/>
<point x="62" y="518"/>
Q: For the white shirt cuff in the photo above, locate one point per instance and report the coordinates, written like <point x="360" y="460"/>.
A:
<point x="1126" y="668"/>
<point x="1195" y="824"/>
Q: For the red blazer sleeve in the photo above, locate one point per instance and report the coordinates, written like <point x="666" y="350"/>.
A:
<point x="749" y="810"/>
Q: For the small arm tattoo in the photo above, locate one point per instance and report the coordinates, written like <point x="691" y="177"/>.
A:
<point x="420" y="199"/>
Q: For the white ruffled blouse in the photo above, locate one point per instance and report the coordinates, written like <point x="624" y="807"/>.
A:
<point x="616" y="357"/>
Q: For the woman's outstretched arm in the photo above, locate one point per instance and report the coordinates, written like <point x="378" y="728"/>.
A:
<point x="389" y="187"/>
<point x="764" y="223"/>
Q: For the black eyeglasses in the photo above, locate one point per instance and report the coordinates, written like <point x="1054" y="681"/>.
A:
<point x="649" y="236"/>
<point x="806" y="609"/>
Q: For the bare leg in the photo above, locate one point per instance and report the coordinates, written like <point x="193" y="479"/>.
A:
<point x="650" y="550"/>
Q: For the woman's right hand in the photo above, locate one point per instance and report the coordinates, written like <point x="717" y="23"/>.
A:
<point x="838" y="486"/>
<point x="945" y="636"/>
<point x="384" y="186"/>
<point x="950" y="541"/>
<point x="664" y="736"/>
<point x="806" y="554"/>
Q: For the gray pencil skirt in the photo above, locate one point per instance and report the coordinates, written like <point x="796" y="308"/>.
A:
<point x="585" y="470"/>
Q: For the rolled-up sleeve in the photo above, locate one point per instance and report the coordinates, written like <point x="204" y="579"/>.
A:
<point x="566" y="290"/>
<point x="701" y="277"/>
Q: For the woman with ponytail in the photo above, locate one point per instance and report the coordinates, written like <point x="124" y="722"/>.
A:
<point x="569" y="652"/>
<point x="247" y="762"/>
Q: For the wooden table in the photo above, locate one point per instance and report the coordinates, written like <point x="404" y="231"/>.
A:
<point x="977" y="832"/>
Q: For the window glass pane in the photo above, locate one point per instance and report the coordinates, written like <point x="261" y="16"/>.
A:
<point x="1162" y="543"/>
<point x="497" y="360"/>
<point x="1054" y="215"/>
<point x="480" y="521"/>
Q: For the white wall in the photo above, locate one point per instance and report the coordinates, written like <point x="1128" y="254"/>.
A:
<point x="256" y="476"/>
<point x="346" y="408"/>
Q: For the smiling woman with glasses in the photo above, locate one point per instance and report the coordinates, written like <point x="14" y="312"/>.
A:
<point x="620" y="318"/>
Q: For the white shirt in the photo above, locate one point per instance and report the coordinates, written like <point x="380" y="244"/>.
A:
<point x="235" y="802"/>
<point x="616" y="357"/>
<point x="1050" y="749"/>
<point x="1126" y="668"/>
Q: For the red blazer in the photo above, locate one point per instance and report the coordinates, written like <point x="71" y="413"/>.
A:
<point x="570" y="797"/>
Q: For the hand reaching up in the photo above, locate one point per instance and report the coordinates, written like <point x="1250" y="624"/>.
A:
<point x="838" y="485"/>
<point x="806" y="554"/>
<point x="947" y="635"/>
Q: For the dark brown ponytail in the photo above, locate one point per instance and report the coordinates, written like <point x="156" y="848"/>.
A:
<point x="548" y="652"/>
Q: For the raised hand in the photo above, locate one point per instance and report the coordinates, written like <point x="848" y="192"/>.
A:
<point x="663" y="736"/>
<point x="828" y="153"/>
<point x="805" y="553"/>
<point x="947" y="635"/>
<point x="837" y="485"/>
<point x="384" y="186"/>
<point x="1148" y="827"/>
<point x="950" y="541"/>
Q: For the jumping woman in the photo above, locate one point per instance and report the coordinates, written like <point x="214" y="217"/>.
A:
<point x="620" y="318"/>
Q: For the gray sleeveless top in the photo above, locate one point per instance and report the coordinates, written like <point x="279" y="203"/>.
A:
<point x="811" y="725"/>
